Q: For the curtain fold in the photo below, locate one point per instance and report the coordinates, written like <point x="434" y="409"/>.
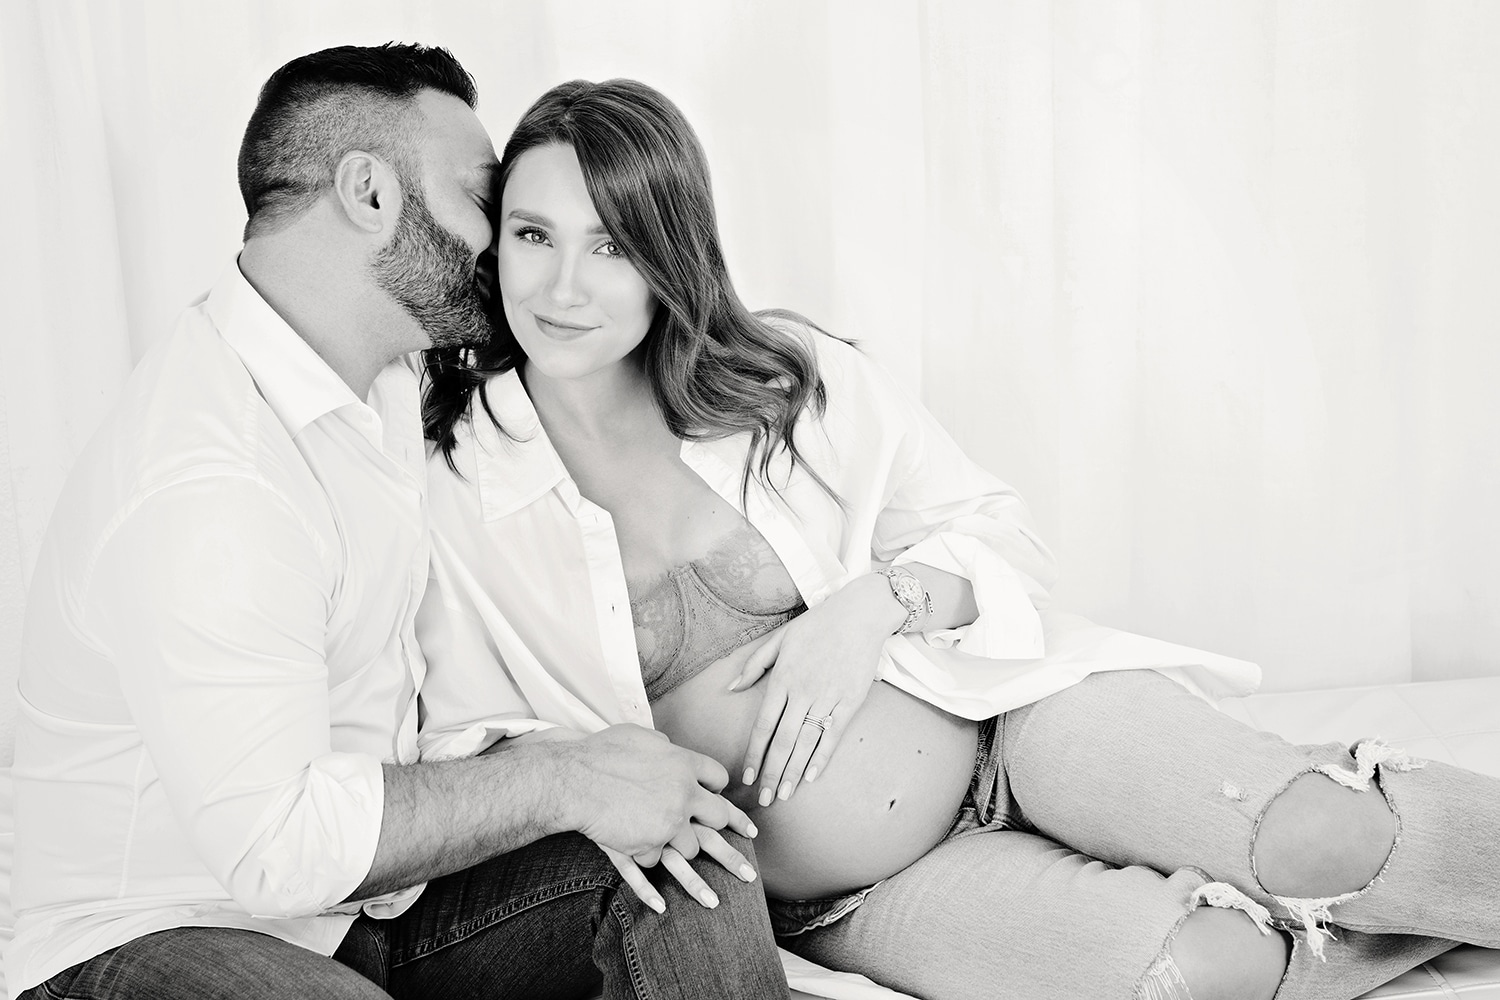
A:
<point x="1208" y="283"/>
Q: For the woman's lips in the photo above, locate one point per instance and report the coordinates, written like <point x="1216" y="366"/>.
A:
<point x="559" y="330"/>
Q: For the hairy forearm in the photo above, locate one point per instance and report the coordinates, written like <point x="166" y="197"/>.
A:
<point x="442" y="816"/>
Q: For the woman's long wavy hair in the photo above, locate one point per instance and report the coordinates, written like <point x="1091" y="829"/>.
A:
<point x="715" y="369"/>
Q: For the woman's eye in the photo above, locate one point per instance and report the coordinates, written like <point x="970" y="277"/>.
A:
<point x="611" y="249"/>
<point x="533" y="236"/>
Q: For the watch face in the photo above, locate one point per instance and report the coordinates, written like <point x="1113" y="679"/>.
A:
<point x="908" y="590"/>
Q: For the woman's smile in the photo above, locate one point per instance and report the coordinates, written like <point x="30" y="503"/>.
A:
<point x="561" y="330"/>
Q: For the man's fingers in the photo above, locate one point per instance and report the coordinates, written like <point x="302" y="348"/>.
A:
<point x="771" y="707"/>
<point x="683" y="872"/>
<point x="684" y="842"/>
<point x="710" y="809"/>
<point x="709" y="772"/>
<point x="740" y="823"/>
<point x="636" y="879"/>
<point x="716" y="847"/>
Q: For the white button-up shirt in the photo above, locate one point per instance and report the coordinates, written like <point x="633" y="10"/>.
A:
<point x="527" y="615"/>
<point x="219" y="649"/>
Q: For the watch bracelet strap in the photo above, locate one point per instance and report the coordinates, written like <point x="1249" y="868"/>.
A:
<point x="913" y="614"/>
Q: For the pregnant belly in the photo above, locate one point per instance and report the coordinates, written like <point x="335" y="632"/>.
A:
<point x="887" y="797"/>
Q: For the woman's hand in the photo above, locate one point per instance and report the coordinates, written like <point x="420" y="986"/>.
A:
<point x="825" y="662"/>
<point x="709" y="841"/>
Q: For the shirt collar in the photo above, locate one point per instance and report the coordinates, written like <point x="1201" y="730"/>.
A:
<point x="295" y="382"/>
<point x="514" y="468"/>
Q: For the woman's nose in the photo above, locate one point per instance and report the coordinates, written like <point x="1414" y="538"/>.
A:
<point x="566" y="287"/>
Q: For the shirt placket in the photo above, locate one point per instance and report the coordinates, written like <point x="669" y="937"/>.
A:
<point x="606" y="572"/>
<point x="407" y="476"/>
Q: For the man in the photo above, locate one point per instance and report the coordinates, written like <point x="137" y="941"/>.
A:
<point x="217" y="774"/>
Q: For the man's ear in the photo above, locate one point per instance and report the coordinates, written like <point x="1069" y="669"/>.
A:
<point x="367" y="190"/>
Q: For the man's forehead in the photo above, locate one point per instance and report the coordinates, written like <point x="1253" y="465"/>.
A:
<point x="453" y="133"/>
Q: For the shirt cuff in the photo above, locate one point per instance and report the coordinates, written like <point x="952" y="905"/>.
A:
<point x="1008" y="626"/>
<point x="477" y="737"/>
<point x="324" y="844"/>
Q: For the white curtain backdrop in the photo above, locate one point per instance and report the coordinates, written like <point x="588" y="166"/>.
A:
<point x="1209" y="283"/>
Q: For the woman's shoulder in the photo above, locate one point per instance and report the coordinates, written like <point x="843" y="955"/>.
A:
<point x="831" y="352"/>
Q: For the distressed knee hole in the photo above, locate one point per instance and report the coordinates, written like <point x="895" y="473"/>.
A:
<point x="1225" y="950"/>
<point x="1319" y="838"/>
<point x="1324" y="839"/>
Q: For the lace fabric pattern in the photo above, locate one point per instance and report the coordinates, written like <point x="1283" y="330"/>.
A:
<point x="705" y="609"/>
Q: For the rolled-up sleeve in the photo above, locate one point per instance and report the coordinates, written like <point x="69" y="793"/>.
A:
<point x="943" y="510"/>
<point x="213" y="597"/>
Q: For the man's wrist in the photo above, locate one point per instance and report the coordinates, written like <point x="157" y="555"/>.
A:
<point x="554" y="767"/>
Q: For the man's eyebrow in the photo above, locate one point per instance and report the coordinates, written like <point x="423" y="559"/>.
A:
<point x="546" y="223"/>
<point x="487" y="174"/>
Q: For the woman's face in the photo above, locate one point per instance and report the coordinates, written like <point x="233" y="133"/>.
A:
<point x="576" y="305"/>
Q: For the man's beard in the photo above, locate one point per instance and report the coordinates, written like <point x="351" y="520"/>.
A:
<point x="430" y="272"/>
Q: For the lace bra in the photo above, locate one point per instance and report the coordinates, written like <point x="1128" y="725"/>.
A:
<point x="703" y="610"/>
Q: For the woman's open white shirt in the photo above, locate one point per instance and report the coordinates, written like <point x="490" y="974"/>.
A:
<point x="527" y="620"/>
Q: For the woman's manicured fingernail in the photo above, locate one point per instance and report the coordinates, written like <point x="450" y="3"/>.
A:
<point x="708" y="898"/>
<point x="657" y="903"/>
<point x="785" y="791"/>
<point x="749" y="778"/>
<point x="734" y="685"/>
<point x="750" y="830"/>
<point x="810" y="775"/>
<point x="765" y="797"/>
<point x="747" y="873"/>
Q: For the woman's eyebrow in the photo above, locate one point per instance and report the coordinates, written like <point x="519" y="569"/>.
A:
<point x="532" y="217"/>
<point x="546" y="223"/>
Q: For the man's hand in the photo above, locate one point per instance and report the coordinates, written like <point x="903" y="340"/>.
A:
<point x="646" y="801"/>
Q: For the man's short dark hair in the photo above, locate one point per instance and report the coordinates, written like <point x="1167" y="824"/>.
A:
<point x="318" y="107"/>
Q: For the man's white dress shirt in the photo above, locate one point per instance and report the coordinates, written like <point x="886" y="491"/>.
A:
<point x="219" y="649"/>
<point x="527" y="614"/>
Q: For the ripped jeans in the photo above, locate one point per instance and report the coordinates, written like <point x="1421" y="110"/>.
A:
<point x="1109" y="812"/>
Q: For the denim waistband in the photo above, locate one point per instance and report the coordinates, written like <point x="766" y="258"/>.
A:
<point x="791" y="917"/>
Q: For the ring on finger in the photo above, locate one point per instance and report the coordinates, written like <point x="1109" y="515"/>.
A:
<point x="821" y="721"/>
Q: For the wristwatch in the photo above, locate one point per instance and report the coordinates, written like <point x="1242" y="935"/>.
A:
<point x="906" y="588"/>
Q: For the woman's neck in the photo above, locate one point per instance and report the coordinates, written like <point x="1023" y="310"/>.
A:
<point x="606" y="405"/>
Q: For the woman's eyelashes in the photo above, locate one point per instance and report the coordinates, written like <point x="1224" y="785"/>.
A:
<point x="537" y="237"/>
<point x="533" y="236"/>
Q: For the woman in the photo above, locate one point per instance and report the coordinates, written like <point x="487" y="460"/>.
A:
<point x="653" y="506"/>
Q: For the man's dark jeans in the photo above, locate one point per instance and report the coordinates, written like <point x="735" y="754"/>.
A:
<point x="552" y="920"/>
